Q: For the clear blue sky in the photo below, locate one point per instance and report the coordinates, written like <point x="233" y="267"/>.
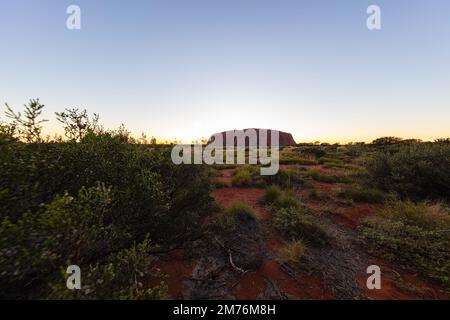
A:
<point x="188" y="68"/>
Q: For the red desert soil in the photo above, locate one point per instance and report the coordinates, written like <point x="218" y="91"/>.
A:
<point x="269" y="276"/>
<point x="177" y="267"/>
<point x="270" y="280"/>
<point x="400" y="286"/>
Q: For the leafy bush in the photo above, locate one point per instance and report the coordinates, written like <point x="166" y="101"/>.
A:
<point x="360" y="193"/>
<point x="415" y="170"/>
<point x="291" y="252"/>
<point x="86" y="201"/>
<point x="27" y="126"/>
<point x="415" y="236"/>
<point x="78" y="229"/>
<point x="386" y="141"/>
<point x="425" y="215"/>
<point x="294" y="223"/>
<point x="151" y="193"/>
<point x="317" y="152"/>
<point x="411" y="247"/>
<point x="121" y="276"/>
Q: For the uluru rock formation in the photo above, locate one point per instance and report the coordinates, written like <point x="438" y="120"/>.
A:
<point x="285" y="138"/>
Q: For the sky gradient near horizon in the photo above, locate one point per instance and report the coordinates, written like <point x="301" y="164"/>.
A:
<point x="185" y="69"/>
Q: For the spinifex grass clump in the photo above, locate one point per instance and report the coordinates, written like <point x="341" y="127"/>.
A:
<point x="236" y="213"/>
<point x="247" y="176"/>
<point x="291" y="252"/>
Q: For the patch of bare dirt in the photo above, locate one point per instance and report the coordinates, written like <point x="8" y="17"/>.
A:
<point x="336" y="271"/>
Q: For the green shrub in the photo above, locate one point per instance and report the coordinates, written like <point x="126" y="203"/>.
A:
<point x="414" y="170"/>
<point x="413" y="235"/>
<point x="425" y="215"/>
<point x="386" y="141"/>
<point x="80" y="229"/>
<point x="316" y="152"/>
<point x="362" y="194"/>
<point x="121" y="276"/>
<point x="294" y="223"/>
<point x="53" y="208"/>
<point x="300" y="161"/>
<point x="411" y="247"/>
<point x="327" y="178"/>
<point x="152" y="194"/>
<point x="331" y="162"/>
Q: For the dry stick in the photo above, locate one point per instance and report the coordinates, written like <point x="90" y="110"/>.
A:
<point x="233" y="265"/>
<point x="230" y="257"/>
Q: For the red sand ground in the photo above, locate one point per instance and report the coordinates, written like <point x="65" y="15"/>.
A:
<point x="395" y="284"/>
<point x="254" y="283"/>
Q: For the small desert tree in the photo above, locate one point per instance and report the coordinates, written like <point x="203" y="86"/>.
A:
<point x="386" y="141"/>
<point x="77" y="123"/>
<point x="27" y="126"/>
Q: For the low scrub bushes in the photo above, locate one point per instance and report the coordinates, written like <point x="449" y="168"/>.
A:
<point x="331" y="162"/>
<point x="78" y="229"/>
<point x="318" y="195"/>
<point x="430" y="216"/>
<point x="84" y="203"/>
<point x="300" y="161"/>
<point x="120" y="276"/>
<point x="247" y="176"/>
<point x="287" y="178"/>
<point x="360" y="193"/>
<point x="296" y="223"/>
<point x="278" y="198"/>
<point x="414" y="170"/>
<point x="415" y="236"/>
<point x="327" y="178"/>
